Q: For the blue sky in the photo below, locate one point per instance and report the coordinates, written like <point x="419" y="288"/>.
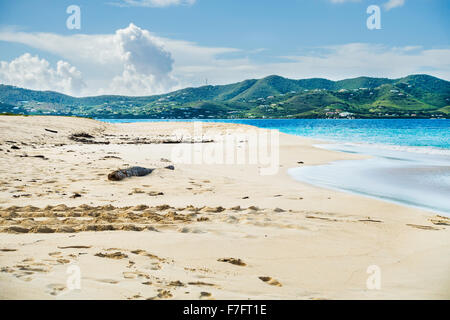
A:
<point x="150" y="46"/>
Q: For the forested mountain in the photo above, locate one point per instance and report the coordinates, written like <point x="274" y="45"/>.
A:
<point x="271" y="97"/>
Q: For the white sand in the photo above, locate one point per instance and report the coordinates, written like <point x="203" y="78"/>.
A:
<point x="318" y="246"/>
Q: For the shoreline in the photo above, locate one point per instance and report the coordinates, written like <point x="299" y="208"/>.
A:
<point x="376" y="176"/>
<point x="312" y="243"/>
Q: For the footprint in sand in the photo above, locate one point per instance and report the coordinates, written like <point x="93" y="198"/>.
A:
<point x="200" y="283"/>
<point x="237" y="262"/>
<point x="162" y="294"/>
<point x="134" y="275"/>
<point x="422" y="227"/>
<point x="108" y="281"/>
<point x="205" y="295"/>
<point x="116" y="255"/>
<point x="271" y="281"/>
<point x="75" y="247"/>
<point x="177" y="283"/>
<point x="56" y="289"/>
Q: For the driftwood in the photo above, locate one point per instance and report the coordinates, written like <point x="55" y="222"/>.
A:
<point x="85" y="138"/>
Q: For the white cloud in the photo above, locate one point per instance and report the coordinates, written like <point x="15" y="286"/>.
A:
<point x="146" y="63"/>
<point x="31" y="72"/>
<point x="391" y="4"/>
<point x="133" y="61"/>
<point x="128" y="53"/>
<point x="154" y="3"/>
<point x="333" y="62"/>
<point x="358" y="59"/>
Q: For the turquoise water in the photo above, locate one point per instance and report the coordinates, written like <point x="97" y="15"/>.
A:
<point x="410" y="162"/>
<point x="399" y="132"/>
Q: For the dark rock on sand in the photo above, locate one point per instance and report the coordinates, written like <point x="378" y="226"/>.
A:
<point x="121" y="174"/>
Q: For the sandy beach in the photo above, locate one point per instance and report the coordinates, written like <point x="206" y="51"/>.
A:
<point x="196" y="231"/>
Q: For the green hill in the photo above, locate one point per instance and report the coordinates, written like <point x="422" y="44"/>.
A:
<point x="420" y="96"/>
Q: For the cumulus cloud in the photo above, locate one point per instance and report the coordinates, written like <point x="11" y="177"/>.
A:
<point x="146" y="63"/>
<point x="32" y="72"/>
<point x="154" y="3"/>
<point x="133" y="61"/>
<point x="129" y="54"/>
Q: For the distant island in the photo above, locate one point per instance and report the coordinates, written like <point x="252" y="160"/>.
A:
<point x="414" y="96"/>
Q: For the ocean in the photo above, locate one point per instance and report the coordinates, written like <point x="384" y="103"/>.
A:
<point x="410" y="162"/>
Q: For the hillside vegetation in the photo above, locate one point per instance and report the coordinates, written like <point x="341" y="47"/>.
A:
<point x="418" y="96"/>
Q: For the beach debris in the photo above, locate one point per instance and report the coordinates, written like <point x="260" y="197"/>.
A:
<point x="52" y="131"/>
<point x="75" y="195"/>
<point x="422" y="227"/>
<point x="82" y="135"/>
<point x="85" y="138"/>
<point x="369" y="219"/>
<point x="15" y="147"/>
<point x="237" y="262"/>
<point x="440" y="220"/>
<point x="121" y="174"/>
